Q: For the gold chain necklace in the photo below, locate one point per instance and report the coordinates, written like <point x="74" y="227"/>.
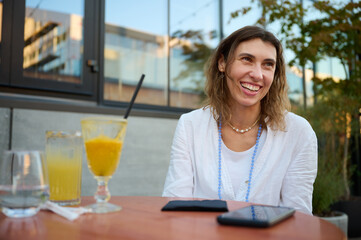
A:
<point x="243" y="130"/>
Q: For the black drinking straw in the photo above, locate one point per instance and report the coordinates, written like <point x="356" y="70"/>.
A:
<point x="134" y="96"/>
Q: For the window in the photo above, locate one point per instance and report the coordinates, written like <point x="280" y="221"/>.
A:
<point x="52" y="43"/>
<point x="157" y="45"/>
<point x="135" y="43"/>
<point x="194" y="33"/>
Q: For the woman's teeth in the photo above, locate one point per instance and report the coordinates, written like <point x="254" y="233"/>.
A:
<point x="250" y="87"/>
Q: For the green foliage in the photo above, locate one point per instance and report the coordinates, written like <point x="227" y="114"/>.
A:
<point x="328" y="187"/>
<point x="333" y="121"/>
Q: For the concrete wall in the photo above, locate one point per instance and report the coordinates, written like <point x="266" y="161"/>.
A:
<point x="4" y="128"/>
<point x="145" y="157"/>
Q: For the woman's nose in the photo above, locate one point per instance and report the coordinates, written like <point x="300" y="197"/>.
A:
<point x="256" y="73"/>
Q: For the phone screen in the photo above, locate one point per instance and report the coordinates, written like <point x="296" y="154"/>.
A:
<point x="256" y="215"/>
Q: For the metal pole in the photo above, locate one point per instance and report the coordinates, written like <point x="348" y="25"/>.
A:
<point x="221" y="34"/>
<point x="303" y="66"/>
<point x="168" y="53"/>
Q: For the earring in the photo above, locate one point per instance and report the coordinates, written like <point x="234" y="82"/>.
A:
<point x="221" y="82"/>
<point x="222" y="76"/>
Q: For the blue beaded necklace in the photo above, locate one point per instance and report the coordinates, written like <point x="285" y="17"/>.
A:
<point x="220" y="162"/>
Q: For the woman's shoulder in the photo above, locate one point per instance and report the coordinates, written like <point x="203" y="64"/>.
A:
<point x="296" y="123"/>
<point x="291" y="117"/>
<point x="197" y="114"/>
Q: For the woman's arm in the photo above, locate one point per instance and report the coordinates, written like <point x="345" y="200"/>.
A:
<point x="179" y="180"/>
<point x="297" y="187"/>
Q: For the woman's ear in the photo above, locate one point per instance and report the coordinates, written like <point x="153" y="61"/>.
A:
<point x="221" y="64"/>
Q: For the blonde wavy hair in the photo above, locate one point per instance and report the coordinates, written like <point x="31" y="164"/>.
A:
<point x="273" y="105"/>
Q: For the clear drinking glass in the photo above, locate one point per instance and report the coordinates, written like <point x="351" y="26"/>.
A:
<point x="103" y="139"/>
<point x="23" y="183"/>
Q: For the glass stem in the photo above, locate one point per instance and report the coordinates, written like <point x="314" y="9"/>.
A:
<point x="102" y="194"/>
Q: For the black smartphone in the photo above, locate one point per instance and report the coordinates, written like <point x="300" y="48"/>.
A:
<point x="256" y="216"/>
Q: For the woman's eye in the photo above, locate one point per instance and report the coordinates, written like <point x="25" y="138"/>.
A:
<point x="269" y="64"/>
<point x="247" y="59"/>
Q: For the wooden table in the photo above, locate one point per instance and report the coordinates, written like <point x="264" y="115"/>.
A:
<point x="141" y="218"/>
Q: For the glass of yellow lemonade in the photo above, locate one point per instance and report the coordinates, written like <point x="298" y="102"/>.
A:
<point x="103" y="138"/>
<point x="64" y="154"/>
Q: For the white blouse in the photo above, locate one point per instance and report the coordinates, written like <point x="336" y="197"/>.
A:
<point x="283" y="175"/>
<point x="238" y="164"/>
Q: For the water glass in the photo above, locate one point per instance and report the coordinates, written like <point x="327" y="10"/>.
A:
<point x="23" y="183"/>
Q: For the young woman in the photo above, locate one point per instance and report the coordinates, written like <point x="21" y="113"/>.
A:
<point x="244" y="144"/>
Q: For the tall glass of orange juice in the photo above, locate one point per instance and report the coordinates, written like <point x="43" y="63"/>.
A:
<point x="103" y="138"/>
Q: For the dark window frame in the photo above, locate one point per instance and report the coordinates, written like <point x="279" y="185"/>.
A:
<point x="5" y="47"/>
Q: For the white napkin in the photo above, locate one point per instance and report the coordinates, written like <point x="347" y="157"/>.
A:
<point x="70" y="213"/>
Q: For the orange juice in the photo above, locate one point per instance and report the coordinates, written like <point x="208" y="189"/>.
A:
<point x="103" y="155"/>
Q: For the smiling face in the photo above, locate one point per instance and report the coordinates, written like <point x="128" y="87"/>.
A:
<point x="250" y="74"/>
